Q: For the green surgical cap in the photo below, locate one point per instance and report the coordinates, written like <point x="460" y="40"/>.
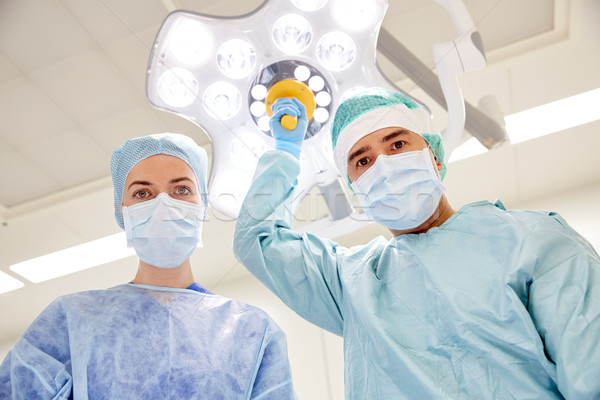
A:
<point x="374" y="109"/>
<point x="359" y="104"/>
<point x="435" y="141"/>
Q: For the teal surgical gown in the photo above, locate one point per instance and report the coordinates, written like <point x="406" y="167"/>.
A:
<point x="145" y="342"/>
<point x="493" y="304"/>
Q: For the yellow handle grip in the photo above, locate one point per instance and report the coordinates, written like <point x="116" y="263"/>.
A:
<point x="289" y="122"/>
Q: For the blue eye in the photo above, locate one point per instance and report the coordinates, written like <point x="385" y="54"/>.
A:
<point x="182" y="190"/>
<point x="141" y="194"/>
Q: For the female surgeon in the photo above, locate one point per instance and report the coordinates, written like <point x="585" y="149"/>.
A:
<point x="162" y="336"/>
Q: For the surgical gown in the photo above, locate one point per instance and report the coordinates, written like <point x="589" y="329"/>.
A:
<point x="493" y="304"/>
<point x="145" y="342"/>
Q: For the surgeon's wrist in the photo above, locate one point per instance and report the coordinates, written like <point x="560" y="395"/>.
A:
<point x="289" y="147"/>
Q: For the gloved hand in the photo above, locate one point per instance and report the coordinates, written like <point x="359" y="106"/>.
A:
<point x="288" y="140"/>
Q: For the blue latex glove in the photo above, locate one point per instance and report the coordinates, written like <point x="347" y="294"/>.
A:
<point x="288" y="140"/>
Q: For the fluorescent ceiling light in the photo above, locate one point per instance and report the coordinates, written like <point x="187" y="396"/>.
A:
<point x="74" y="259"/>
<point x="470" y="148"/>
<point x="553" y="117"/>
<point x="540" y="121"/>
<point x="8" y="283"/>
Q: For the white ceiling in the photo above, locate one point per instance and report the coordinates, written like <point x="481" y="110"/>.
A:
<point x="72" y="75"/>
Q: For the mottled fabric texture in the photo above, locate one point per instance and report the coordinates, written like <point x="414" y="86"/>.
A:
<point x="493" y="304"/>
<point x="143" y="342"/>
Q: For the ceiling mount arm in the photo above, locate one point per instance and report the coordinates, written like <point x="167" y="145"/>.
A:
<point x="485" y="129"/>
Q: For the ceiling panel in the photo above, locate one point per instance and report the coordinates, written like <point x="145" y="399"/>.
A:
<point x="508" y="21"/>
<point x="5" y="148"/>
<point x="113" y="131"/>
<point x="429" y="24"/>
<point x="110" y="20"/>
<point x="88" y="87"/>
<point x="95" y="210"/>
<point x="21" y="180"/>
<point x="7" y="70"/>
<point x="27" y="114"/>
<point x="37" y="33"/>
<point x="174" y="123"/>
<point x="70" y="159"/>
<point x="130" y="55"/>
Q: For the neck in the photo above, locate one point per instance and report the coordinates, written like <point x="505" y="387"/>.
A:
<point x="177" y="277"/>
<point x="441" y="214"/>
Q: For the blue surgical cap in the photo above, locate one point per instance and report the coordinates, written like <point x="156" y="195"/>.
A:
<point x="374" y="109"/>
<point x="137" y="149"/>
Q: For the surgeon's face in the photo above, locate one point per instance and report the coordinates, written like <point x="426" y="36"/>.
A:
<point x="388" y="141"/>
<point x="161" y="173"/>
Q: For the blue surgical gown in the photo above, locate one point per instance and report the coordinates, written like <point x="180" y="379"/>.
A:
<point x="493" y="304"/>
<point x="145" y="342"/>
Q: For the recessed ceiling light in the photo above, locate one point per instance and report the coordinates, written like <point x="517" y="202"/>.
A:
<point x="74" y="259"/>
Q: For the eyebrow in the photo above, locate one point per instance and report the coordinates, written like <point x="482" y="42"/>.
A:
<point x="358" y="152"/>
<point x="395" y="134"/>
<point x="183" y="178"/>
<point x="390" y="136"/>
<point x="143" y="183"/>
<point x="147" y="183"/>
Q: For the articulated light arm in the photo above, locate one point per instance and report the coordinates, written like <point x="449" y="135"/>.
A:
<point x="452" y="59"/>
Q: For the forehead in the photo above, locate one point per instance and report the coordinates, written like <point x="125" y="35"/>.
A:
<point x="161" y="166"/>
<point x="383" y="134"/>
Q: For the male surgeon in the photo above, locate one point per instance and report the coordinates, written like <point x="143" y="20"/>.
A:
<point x="475" y="303"/>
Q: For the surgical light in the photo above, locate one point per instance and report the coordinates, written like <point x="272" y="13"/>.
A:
<point x="309" y="5"/>
<point x="354" y="15"/>
<point x="302" y="73"/>
<point x="236" y="58"/>
<point x="259" y="92"/>
<point x="246" y="150"/>
<point x="190" y="42"/>
<point x="316" y="83"/>
<point x="336" y="51"/>
<point x="258" y="108"/>
<point x="320" y="50"/>
<point x="321" y="115"/>
<point x="323" y="99"/>
<point x="222" y="100"/>
<point x="292" y="33"/>
<point x="177" y="87"/>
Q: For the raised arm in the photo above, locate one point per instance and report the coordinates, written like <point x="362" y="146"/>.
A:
<point x="301" y="269"/>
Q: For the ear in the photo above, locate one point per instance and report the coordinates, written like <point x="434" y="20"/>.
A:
<point x="438" y="164"/>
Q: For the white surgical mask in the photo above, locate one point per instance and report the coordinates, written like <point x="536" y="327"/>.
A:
<point x="164" y="231"/>
<point x="400" y="191"/>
